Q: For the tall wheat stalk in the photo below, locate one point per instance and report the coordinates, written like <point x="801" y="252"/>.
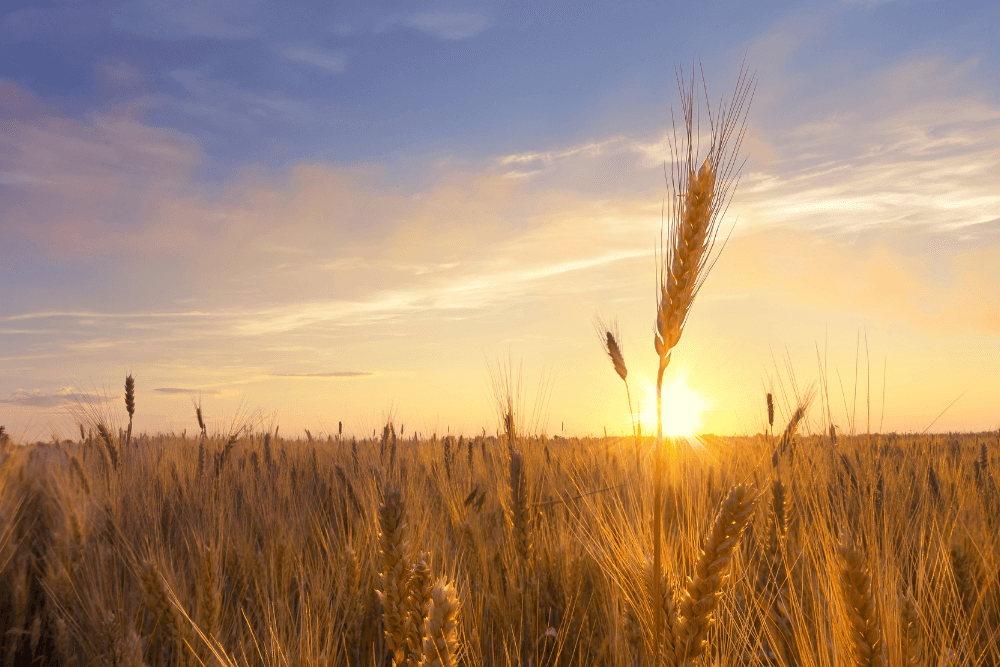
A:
<point x="699" y="196"/>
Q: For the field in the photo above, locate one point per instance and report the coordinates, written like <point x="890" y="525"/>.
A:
<point x="506" y="549"/>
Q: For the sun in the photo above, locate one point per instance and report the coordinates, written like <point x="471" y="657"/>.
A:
<point x="682" y="409"/>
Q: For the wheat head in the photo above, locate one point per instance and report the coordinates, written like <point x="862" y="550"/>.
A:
<point x="441" y="645"/>
<point x="417" y="605"/>
<point x="866" y="637"/>
<point x="690" y="242"/>
<point x="703" y="591"/>
<point x="519" y="516"/>
<point x="912" y="641"/>
<point x="395" y="573"/>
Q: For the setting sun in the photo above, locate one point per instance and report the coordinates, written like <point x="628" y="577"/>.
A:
<point x="682" y="408"/>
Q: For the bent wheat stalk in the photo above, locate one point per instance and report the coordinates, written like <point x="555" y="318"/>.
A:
<point x="699" y="197"/>
<point x="611" y="341"/>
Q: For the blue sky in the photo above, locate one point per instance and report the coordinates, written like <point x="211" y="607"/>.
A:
<point x="224" y="196"/>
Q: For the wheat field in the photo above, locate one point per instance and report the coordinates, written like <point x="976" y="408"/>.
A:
<point x="517" y="550"/>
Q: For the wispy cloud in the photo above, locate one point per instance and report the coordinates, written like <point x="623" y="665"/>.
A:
<point x="218" y="19"/>
<point x="178" y="390"/>
<point x="230" y="106"/>
<point x="37" y="399"/>
<point x="440" y="22"/>
<point x="446" y="24"/>
<point x="331" y="61"/>
<point x="47" y="24"/>
<point x="334" y="374"/>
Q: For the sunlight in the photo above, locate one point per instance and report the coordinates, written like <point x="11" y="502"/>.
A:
<point x="682" y="409"/>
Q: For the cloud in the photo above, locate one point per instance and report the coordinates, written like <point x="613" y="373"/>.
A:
<point x="217" y="19"/>
<point x="223" y="104"/>
<point x="334" y="374"/>
<point x="176" y="390"/>
<point x="441" y="22"/>
<point x="334" y="247"/>
<point x="331" y="61"/>
<point x="37" y="399"/>
<point x="453" y="25"/>
<point x="52" y="23"/>
<point x="922" y="276"/>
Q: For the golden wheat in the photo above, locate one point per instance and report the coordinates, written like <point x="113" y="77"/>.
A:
<point x="441" y="645"/>
<point x="395" y="574"/>
<point x="913" y="653"/>
<point x="417" y="606"/>
<point x="701" y="595"/>
<point x="866" y="636"/>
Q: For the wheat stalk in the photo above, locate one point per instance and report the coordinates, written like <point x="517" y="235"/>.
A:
<point x="520" y="521"/>
<point x="772" y="581"/>
<point x="698" y="198"/>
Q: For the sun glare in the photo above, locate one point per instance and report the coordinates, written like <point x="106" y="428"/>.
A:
<point x="682" y="408"/>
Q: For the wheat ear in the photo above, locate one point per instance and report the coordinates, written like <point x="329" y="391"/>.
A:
<point x="965" y="579"/>
<point x="770" y="411"/>
<point x="395" y="573"/>
<point x="866" y="638"/>
<point x="611" y="341"/>
<point x="417" y="605"/>
<point x="441" y="627"/>
<point x="663" y="646"/>
<point x="108" y="444"/>
<point x="130" y="406"/>
<point x="913" y="650"/>
<point x="158" y="596"/>
<point x="703" y="591"/>
<point x="690" y="243"/>
<point x="208" y="593"/>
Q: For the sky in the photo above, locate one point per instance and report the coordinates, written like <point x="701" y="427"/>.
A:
<point x="307" y="214"/>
